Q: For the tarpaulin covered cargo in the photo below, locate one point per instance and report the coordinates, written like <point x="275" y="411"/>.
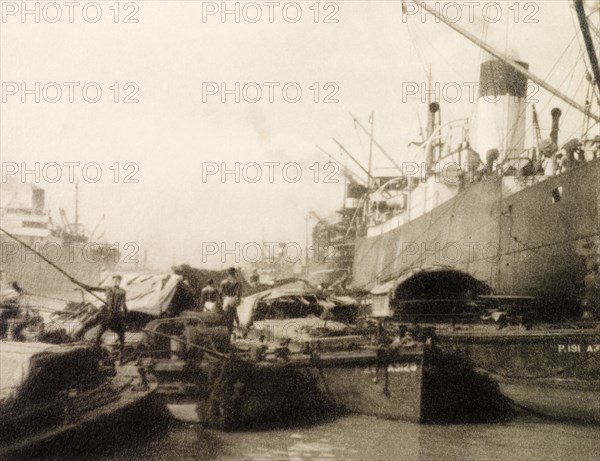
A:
<point x="37" y="372"/>
<point x="248" y="304"/>
<point x="146" y="292"/>
<point x="15" y="365"/>
<point x="147" y="295"/>
<point x="431" y="281"/>
<point x="430" y="292"/>
<point x="297" y="299"/>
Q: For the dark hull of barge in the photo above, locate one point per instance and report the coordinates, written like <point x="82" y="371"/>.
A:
<point x="553" y="372"/>
<point x="418" y="384"/>
<point x="82" y="423"/>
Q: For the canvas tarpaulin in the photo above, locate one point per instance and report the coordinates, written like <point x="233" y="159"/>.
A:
<point x="148" y="293"/>
<point x="294" y="288"/>
<point x="37" y="372"/>
<point x="296" y="299"/>
<point x="15" y="360"/>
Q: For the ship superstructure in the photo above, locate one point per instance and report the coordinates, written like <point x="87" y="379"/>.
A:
<point x="522" y="219"/>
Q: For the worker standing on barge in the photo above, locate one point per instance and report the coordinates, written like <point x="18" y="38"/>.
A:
<point x="113" y="313"/>
<point x="210" y="299"/>
<point x="231" y="294"/>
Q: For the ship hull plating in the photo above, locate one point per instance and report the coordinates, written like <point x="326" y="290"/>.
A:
<point x="537" y="240"/>
<point x="84" y="261"/>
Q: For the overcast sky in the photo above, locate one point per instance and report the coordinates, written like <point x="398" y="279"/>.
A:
<point x="363" y="61"/>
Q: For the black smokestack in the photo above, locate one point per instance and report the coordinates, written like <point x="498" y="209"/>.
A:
<point x="555" y="113"/>
<point x="433" y="108"/>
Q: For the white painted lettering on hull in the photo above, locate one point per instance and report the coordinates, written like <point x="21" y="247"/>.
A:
<point x="578" y="348"/>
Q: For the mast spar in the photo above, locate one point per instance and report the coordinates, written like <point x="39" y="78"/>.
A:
<point x="371" y="179"/>
<point x="587" y="38"/>
<point x="503" y="57"/>
<point x="388" y="156"/>
<point x="372" y="122"/>
<point x="346" y="170"/>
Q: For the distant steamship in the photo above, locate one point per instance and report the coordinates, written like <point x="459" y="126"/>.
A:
<point x="70" y="246"/>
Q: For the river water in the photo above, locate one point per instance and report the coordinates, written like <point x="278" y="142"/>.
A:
<point x="351" y="438"/>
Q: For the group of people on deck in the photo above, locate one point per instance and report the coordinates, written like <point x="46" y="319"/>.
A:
<point x="550" y="160"/>
<point x="224" y="300"/>
<point x="555" y="161"/>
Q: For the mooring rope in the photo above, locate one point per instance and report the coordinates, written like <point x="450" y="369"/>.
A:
<point x="314" y="360"/>
<point x="550" y="375"/>
<point x="187" y="343"/>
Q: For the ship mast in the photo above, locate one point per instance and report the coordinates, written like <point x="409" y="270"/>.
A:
<point x="503" y="57"/>
<point x="77" y="206"/>
<point x="430" y="124"/>
<point x="372" y="122"/>
<point x="432" y="108"/>
<point x="587" y="38"/>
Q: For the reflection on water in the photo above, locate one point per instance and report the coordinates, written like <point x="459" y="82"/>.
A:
<point x="352" y="438"/>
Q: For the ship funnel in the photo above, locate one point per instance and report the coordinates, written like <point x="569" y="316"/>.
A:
<point x="501" y="109"/>
<point x="555" y="113"/>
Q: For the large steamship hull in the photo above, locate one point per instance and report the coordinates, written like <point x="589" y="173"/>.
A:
<point x="537" y="241"/>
